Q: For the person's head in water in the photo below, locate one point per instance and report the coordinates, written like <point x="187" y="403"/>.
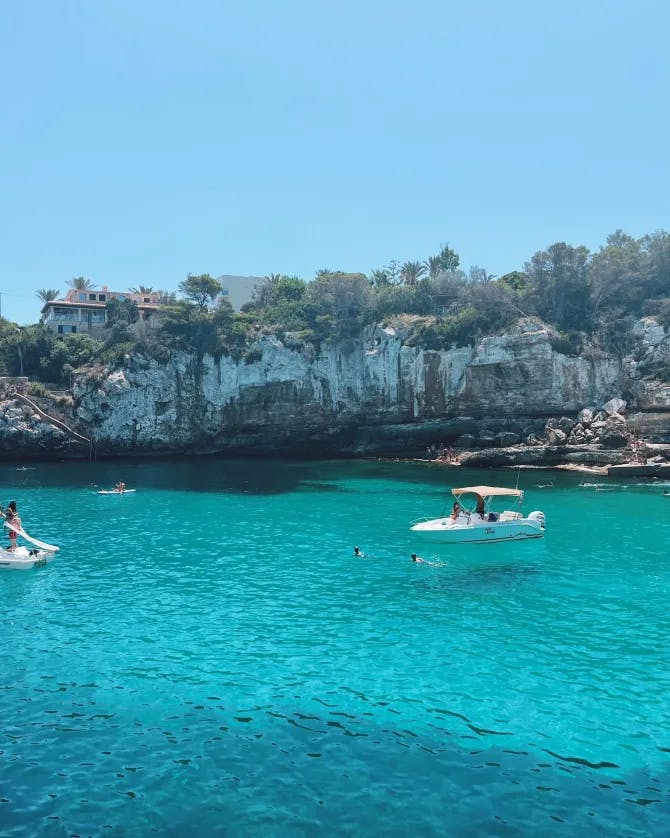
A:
<point x="357" y="552"/>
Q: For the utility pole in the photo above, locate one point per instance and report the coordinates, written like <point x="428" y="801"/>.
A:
<point x="18" y="347"/>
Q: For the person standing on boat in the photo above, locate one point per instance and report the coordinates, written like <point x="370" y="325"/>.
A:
<point x="11" y="516"/>
<point x="455" y="510"/>
<point x="480" y="509"/>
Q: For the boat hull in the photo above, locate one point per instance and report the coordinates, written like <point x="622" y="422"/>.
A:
<point x="24" y="559"/>
<point x="444" y="531"/>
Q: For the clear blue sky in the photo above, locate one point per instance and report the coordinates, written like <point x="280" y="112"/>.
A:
<point x="145" y="139"/>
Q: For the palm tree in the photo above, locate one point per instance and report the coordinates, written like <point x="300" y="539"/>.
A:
<point x="80" y="283"/>
<point x="143" y="289"/>
<point x="434" y="266"/>
<point x="47" y="294"/>
<point x="411" y="272"/>
<point x="380" y="277"/>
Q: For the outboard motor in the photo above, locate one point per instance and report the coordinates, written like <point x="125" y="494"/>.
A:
<point x="537" y="516"/>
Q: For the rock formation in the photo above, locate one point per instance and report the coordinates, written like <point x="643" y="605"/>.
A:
<point x="375" y="395"/>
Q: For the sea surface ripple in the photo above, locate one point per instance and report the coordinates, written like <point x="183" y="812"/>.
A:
<point x="209" y="654"/>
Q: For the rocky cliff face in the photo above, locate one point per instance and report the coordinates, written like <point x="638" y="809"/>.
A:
<point x="374" y="395"/>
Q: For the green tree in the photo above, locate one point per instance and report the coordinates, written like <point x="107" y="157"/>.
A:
<point x="22" y="349"/>
<point x="411" y="272"/>
<point x="393" y="271"/>
<point x="617" y="275"/>
<point x="449" y="259"/>
<point x="201" y="289"/>
<point x="189" y="327"/>
<point x="280" y="302"/>
<point x="657" y="249"/>
<point x="559" y="287"/>
<point x="380" y="278"/>
<point x="67" y="353"/>
<point x="121" y="311"/>
<point x="516" y="281"/>
<point x="279" y="288"/>
<point x="477" y="274"/>
<point x="80" y="283"/>
<point x="335" y="304"/>
<point x="47" y="294"/>
<point x="434" y="266"/>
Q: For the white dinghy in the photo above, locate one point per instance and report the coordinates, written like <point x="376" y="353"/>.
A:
<point x="473" y="520"/>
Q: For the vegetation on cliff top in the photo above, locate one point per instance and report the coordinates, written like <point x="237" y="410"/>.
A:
<point x="590" y="299"/>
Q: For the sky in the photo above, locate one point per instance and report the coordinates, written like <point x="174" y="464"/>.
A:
<point x="143" y="140"/>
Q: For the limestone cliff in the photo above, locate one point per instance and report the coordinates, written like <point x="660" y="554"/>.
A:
<point x="359" y="396"/>
<point x="378" y="394"/>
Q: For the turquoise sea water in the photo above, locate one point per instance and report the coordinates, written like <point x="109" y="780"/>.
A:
<point x="209" y="655"/>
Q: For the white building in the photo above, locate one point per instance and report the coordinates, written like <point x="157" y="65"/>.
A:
<point x="239" y="290"/>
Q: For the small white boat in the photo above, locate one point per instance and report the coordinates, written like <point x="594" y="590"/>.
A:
<point x="24" y="558"/>
<point x="116" y="491"/>
<point x="473" y="519"/>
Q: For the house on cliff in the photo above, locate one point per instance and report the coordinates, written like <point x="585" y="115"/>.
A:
<point x="86" y="311"/>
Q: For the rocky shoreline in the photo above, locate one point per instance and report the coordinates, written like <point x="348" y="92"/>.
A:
<point x="510" y="399"/>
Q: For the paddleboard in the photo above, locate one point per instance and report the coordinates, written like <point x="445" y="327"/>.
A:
<point x="116" y="491"/>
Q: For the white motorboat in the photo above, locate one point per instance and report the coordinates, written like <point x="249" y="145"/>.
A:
<point x="473" y="519"/>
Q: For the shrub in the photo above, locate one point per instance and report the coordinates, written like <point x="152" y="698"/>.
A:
<point x="253" y="355"/>
<point x="36" y="388"/>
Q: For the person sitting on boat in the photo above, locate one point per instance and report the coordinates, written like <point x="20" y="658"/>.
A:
<point x="120" y="487"/>
<point x="455" y="510"/>
<point x="12" y="517"/>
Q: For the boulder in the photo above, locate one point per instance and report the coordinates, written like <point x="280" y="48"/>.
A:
<point x="613" y="435"/>
<point x="506" y="438"/>
<point x="555" y="436"/>
<point x="615" y="405"/>
<point x="577" y="436"/>
<point x="585" y="417"/>
<point x="565" y="424"/>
